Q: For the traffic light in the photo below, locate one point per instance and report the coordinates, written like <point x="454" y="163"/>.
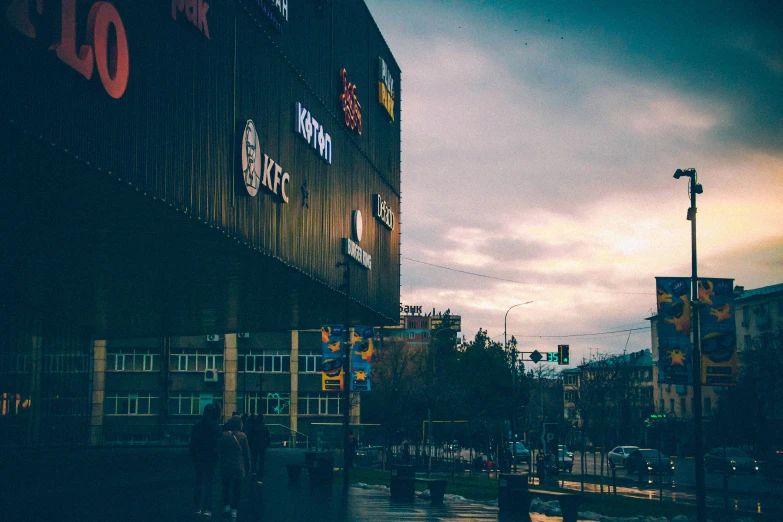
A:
<point x="562" y="354"/>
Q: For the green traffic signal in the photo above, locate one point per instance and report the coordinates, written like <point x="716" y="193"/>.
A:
<point x="562" y="354"/>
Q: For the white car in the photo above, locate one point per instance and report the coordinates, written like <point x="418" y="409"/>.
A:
<point x="619" y="455"/>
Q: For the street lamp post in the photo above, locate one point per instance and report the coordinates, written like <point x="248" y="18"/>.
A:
<point x="701" y="504"/>
<point x="429" y="411"/>
<point x="513" y="381"/>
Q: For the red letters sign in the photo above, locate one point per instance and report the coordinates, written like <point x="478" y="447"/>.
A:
<point x="110" y="57"/>
<point x="350" y="103"/>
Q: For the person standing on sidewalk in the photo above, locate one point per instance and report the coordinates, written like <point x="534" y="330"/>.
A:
<point x="349" y="450"/>
<point x="203" y="451"/>
<point x="258" y="434"/>
<point x="234" y="462"/>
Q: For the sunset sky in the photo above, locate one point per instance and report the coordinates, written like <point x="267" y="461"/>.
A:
<point x="539" y="140"/>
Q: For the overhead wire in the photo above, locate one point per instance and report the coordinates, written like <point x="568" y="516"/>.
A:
<point x="476" y="274"/>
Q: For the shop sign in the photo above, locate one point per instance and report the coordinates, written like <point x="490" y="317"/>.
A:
<point x="313" y="132"/>
<point x="385" y="87"/>
<point x="109" y="57"/>
<point x="351" y="248"/>
<point x="350" y="104"/>
<point x="382" y="212"/>
<point x="274" y="179"/>
<point x="411" y="310"/>
<point x="195" y="12"/>
<point x="275" y="11"/>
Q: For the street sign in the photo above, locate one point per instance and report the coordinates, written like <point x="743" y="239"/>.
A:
<point x="547" y="436"/>
<point x="535" y="356"/>
<point x="552" y="357"/>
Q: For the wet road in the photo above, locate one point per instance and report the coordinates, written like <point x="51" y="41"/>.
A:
<point x="151" y="484"/>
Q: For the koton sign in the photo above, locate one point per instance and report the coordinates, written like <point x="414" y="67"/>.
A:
<point x="313" y="132"/>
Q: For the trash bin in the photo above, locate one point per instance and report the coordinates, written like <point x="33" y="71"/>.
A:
<point x="403" y="482"/>
<point x="511" y="492"/>
<point x="320" y="465"/>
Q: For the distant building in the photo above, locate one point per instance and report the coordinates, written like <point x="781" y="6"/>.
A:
<point x="758" y="313"/>
<point x="417" y="330"/>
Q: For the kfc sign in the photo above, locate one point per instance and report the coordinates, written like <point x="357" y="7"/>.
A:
<point x="105" y="48"/>
<point x="274" y="179"/>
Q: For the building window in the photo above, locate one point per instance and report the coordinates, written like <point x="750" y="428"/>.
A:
<point x="275" y="403"/>
<point x="132" y="361"/>
<point x="646" y="394"/>
<point x="571" y="380"/>
<point x="65" y="362"/>
<point x="319" y="404"/>
<point x="64" y="406"/>
<point x="570" y="395"/>
<point x="193" y="360"/>
<point x="131" y="404"/>
<point x="190" y="403"/>
<point x="310" y="363"/>
<point x="14" y="363"/>
<point x="411" y="335"/>
<point x="265" y="362"/>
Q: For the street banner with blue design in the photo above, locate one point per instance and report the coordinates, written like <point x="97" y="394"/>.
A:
<point x="361" y="357"/>
<point x="332" y="375"/>
<point x="718" y="332"/>
<point x="675" y="360"/>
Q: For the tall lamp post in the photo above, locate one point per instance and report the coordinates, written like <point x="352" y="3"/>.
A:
<point x="698" y="446"/>
<point x="429" y="411"/>
<point x="513" y="379"/>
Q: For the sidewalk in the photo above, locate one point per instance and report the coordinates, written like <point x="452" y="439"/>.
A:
<point x="151" y="484"/>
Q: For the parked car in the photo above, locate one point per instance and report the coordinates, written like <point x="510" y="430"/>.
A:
<point x="565" y="458"/>
<point x="772" y="466"/>
<point x="649" y="461"/>
<point x="619" y="455"/>
<point x="519" y="452"/>
<point x="729" y="460"/>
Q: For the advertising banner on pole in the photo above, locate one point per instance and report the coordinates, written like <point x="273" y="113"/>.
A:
<point x="332" y="375"/>
<point x="718" y="332"/>
<point x="361" y="357"/>
<point x="675" y="360"/>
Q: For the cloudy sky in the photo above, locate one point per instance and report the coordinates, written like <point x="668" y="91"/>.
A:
<point x="539" y="141"/>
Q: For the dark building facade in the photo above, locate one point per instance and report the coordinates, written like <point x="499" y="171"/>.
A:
<point x="173" y="170"/>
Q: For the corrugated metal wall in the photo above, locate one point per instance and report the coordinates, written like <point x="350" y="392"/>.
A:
<point x="174" y="134"/>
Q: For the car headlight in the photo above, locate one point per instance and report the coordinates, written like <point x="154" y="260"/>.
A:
<point x="649" y="468"/>
<point x="732" y="462"/>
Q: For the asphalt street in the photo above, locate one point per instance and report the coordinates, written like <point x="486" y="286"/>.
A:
<point x="151" y="484"/>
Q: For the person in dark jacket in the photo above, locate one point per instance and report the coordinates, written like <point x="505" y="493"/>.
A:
<point x="349" y="450"/>
<point x="203" y="451"/>
<point x="234" y="463"/>
<point x="258" y="436"/>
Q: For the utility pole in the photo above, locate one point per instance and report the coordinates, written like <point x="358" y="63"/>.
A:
<point x="346" y="371"/>
<point x="698" y="446"/>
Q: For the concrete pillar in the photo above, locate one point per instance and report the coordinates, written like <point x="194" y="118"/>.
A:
<point x="229" y="375"/>
<point x="293" y="406"/>
<point x="98" y="392"/>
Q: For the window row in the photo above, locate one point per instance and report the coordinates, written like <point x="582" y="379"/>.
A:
<point x="320" y="404"/>
<point x="264" y="404"/>
<point x="50" y="363"/>
<point x="195" y="362"/>
<point x="133" y="361"/>
<point x="276" y="362"/>
<point x="64" y="406"/>
<point x="191" y="403"/>
<point x="131" y="404"/>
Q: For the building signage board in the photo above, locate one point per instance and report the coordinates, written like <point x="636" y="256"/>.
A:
<point x="361" y="357"/>
<point x="313" y="132"/>
<point x="273" y="179"/>
<point x="382" y="211"/>
<point x="332" y="378"/>
<point x="349" y="102"/>
<point x="351" y="248"/>
<point x="717" y="331"/>
<point x="675" y="360"/>
<point x="385" y="87"/>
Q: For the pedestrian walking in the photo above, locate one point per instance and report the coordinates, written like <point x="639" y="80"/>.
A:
<point x="234" y="462"/>
<point x="349" y="450"/>
<point x="259" y="438"/>
<point x="203" y="450"/>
